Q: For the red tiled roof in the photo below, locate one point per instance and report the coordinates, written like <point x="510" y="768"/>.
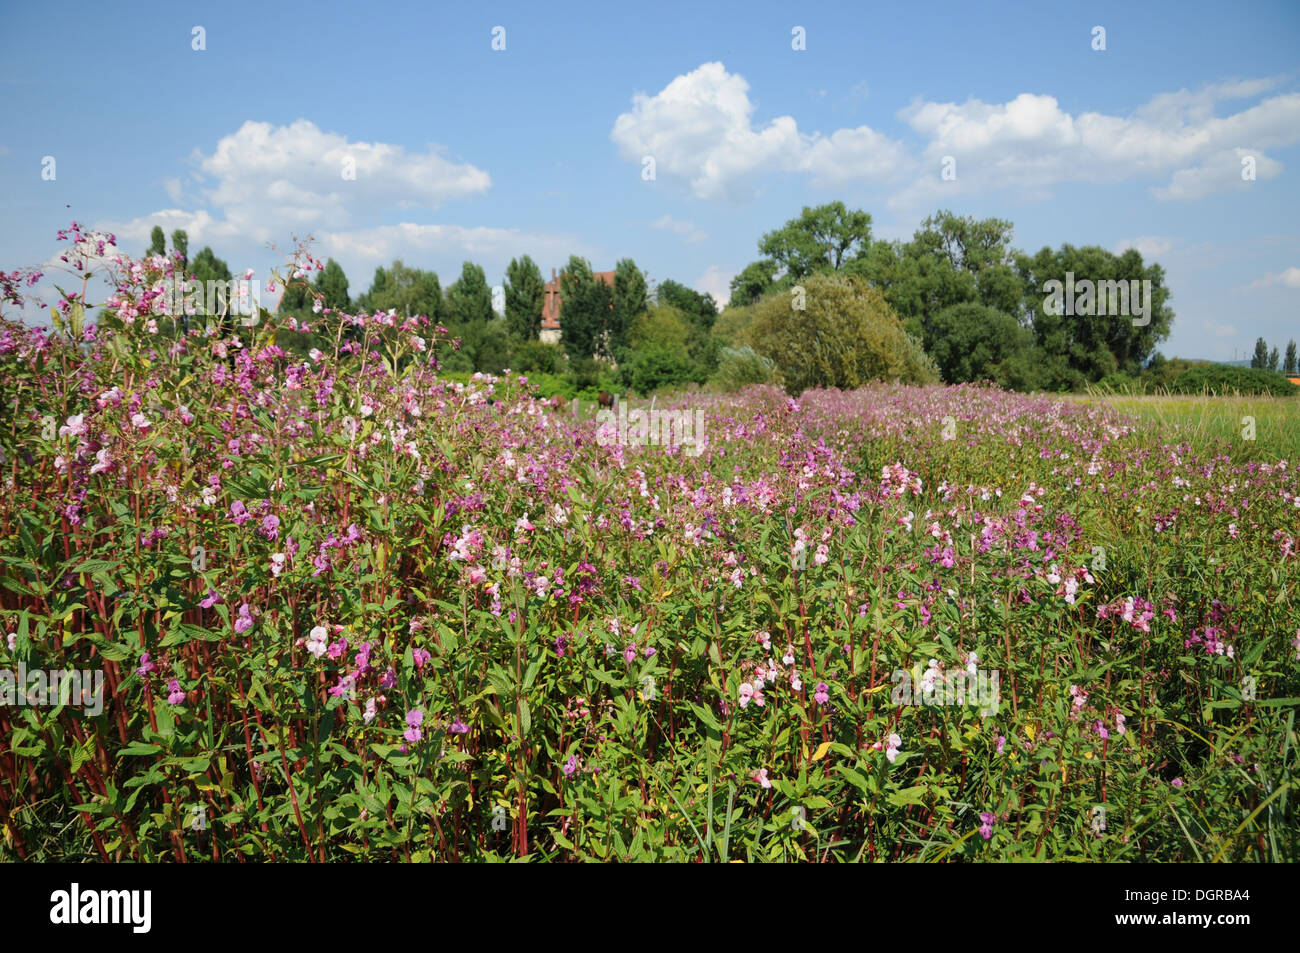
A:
<point x="554" y="301"/>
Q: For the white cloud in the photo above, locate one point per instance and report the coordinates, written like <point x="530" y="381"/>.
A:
<point x="700" y="131"/>
<point x="716" y="281"/>
<point x="1220" y="330"/>
<point x="1148" y="246"/>
<point x="1030" y="142"/>
<point x="1289" y="278"/>
<point x="272" y="179"/>
<point x="687" y="230"/>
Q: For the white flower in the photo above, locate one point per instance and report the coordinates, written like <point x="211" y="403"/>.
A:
<point x="75" y="427"/>
<point x="139" y="421"/>
<point x="891" y="752"/>
<point x="318" y="641"/>
<point x="315" y="354"/>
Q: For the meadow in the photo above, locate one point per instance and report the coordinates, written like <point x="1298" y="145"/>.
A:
<point x="348" y="608"/>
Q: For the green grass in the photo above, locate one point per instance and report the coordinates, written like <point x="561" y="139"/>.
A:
<point x="1205" y="419"/>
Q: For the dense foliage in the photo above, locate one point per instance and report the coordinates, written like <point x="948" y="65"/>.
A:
<point x="349" y="606"/>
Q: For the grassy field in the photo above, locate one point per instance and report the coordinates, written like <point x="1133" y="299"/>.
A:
<point x="1226" y="421"/>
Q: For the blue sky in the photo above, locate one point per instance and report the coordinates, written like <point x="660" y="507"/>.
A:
<point x="463" y="151"/>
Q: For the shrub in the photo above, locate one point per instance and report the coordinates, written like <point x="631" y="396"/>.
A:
<point x="537" y="357"/>
<point x="1226" y="379"/>
<point x="741" y="366"/>
<point x="844" y="336"/>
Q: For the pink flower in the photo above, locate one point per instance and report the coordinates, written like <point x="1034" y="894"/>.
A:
<point x="1177" y="782"/>
<point x="892" y="751"/>
<point x="210" y="600"/>
<point x="239" y="513"/>
<point x="245" y="620"/>
<point x="420" y="656"/>
<point x="987" y="820"/>
<point x="761" y="777"/>
<point x="414" y="718"/>
<point x="336" y="649"/>
<point x="146" y="666"/>
<point x="75" y="427"/>
<point x="102" y="462"/>
<point x="629" y="654"/>
<point x="139" y="421"/>
<point x="746" y="693"/>
<point x="822" y="695"/>
<point x="175" y="694"/>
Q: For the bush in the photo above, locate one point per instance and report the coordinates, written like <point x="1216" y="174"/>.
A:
<point x="739" y="367"/>
<point x="846" y="335"/>
<point x="654" y="367"/>
<point x="1121" y="383"/>
<point x="1226" y="379"/>
<point x="537" y="357"/>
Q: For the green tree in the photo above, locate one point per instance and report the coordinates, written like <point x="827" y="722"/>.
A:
<point x="630" y="298"/>
<point x="585" y="308"/>
<point x="525" y="297"/>
<point x="1093" y="341"/>
<point x="1260" y="358"/>
<point x="1290" y="367"/>
<point x="820" y="239"/>
<point x="469" y="300"/>
<point x="181" y="245"/>
<point x="1273" y="360"/>
<point x="407" y="291"/>
<point x="755" y="282"/>
<point x="157" y="241"/>
<point x="972" y="340"/>
<point x="332" y="283"/>
<point x="950" y="260"/>
<point x="701" y="312"/>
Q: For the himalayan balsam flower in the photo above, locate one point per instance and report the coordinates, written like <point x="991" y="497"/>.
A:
<point x="822" y="695"/>
<point x="175" y="694"/>
<point x="245" y="620"/>
<point x="146" y="666"/>
<point x="761" y="777"/>
<point x="420" y="656"/>
<point x="318" y="641"/>
<point x="571" y="766"/>
<point x="987" y="820"/>
<point x="414" y="718"/>
<point x="891" y="752"/>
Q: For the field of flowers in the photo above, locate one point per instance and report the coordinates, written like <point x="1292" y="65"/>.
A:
<point x="348" y="609"/>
